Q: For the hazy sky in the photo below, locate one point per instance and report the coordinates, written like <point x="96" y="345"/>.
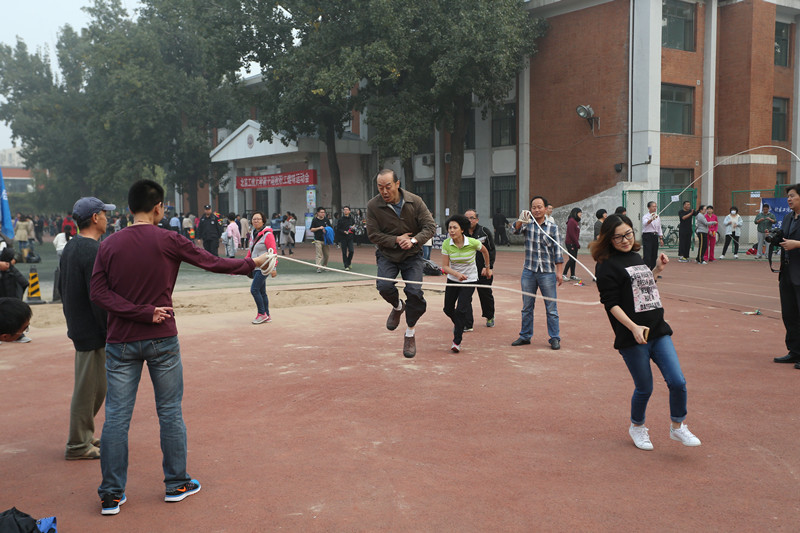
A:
<point x="38" y="22"/>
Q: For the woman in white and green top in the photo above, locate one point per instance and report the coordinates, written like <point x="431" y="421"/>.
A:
<point x="459" y="265"/>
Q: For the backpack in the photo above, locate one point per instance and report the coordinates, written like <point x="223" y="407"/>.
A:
<point x="429" y="268"/>
<point x="15" y="521"/>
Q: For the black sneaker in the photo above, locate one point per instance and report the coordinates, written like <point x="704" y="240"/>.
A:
<point x="111" y="503"/>
<point x="187" y="489"/>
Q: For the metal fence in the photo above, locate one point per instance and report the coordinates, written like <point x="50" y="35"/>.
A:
<point x="668" y="200"/>
<point x="749" y="204"/>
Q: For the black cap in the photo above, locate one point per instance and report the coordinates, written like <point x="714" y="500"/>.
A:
<point x="206" y="207"/>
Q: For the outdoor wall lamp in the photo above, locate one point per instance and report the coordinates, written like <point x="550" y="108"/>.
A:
<point x="586" y="111"/>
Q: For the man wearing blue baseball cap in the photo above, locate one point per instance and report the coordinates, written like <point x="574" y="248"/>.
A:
<point x="86" y="326"/>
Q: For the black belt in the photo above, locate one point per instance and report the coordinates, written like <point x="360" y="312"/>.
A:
<point x="650" y="233"/>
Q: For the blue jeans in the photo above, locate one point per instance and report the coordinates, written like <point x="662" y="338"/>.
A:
<point x="662" y="352"/>
<point x="124" y="363"/>
<point x="259" y="291"/>
<point x="409" y="269"/>
<point x="546" y="283"/>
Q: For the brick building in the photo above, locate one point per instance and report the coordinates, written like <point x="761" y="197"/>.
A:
<point x="667" y="88"/>
<point x="677" y="85"/>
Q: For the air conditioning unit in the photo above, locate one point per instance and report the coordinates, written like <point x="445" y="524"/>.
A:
<point x="447" y="158"/>
<point x="427" y="160"/>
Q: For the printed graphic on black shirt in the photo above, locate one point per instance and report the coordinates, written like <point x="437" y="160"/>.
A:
<point x="645" y="292"/>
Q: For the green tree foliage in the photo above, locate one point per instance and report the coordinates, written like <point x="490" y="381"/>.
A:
<point x="47" y="116"/>
<point x="313" y="54"/>
<point x="134" y="97"/>
<point x="453" y="56"/>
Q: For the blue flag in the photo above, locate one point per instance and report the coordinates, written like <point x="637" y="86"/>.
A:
<point x="5" y="211"/>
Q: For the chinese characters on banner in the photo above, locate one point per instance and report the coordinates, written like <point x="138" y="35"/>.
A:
<point x="284" y="179"/>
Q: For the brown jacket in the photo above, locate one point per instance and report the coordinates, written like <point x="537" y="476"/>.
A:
<point x="383" y="225"/>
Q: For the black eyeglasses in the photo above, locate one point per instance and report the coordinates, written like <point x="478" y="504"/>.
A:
<point x="629" y="236"/>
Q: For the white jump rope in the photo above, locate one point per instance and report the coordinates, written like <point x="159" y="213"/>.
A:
<point x="271" y="260"/>
<point x="526" y="218"/>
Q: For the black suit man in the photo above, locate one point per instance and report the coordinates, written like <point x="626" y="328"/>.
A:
<point x="789" y="278"/>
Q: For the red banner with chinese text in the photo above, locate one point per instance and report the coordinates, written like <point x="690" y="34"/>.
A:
<point x="284" y="179"/>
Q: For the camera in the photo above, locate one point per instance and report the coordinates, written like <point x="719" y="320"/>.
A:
<point x="775" y="237"/>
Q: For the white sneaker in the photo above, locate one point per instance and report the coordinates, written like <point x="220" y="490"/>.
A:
<point x="640" y="437"/>
<point x="722" y="257"/>
<point x="683" y="435"/>
<point x="23" y="339"/>
<point x="736" y="256"/>
<point x="260" y="319"/>
<point x="456" y="347"/>
<point x="564" y="278"/>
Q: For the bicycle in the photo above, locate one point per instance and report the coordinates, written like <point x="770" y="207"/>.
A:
<point x="670" y="237"/>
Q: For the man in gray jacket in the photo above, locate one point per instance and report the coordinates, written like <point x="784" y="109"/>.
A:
<point x="399" y="223"/>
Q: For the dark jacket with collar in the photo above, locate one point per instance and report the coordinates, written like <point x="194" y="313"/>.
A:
<point x="86" y="322"/>
<point x="383" y="225"/>
<point x="485" y="236"/>
<point x="790" y="261"/>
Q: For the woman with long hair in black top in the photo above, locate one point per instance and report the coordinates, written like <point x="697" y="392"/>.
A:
<point x="630" y="296"/>
<point x="571" y="241"/>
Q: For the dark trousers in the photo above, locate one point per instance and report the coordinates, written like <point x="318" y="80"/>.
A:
<point x="211" y="246"/>
<point x="684" y="243"/>
<point x="500" y="235"/>
<point x="487" y="302"/>
<point x="347" y="249"/>
<point x="728" y="239"/>
<point x="790" y="311"/>
<point x="457" y="303"/>
<point x="701" y="246"/>
<point x="410" y="269"/>
<point x="572" y="249"/>
<point x="650" y="249"/>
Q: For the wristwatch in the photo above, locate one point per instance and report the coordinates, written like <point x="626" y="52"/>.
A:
<point x="413" y="240"/>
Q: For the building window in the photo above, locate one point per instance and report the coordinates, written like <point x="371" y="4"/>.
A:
<point x="780" y="108"/>
<point x="262" y="201"/>
<point x="427" y="191"/>
<point x="677" y="25"/>
<point x="677" y="109"/>
<point x="466" y="195"/>
<point x="504" y="126"/>
<point x="675" y="178"/>
<point x="672" y="182"/>
<point x="469" y="138"/>
<point x="782" y="44"/>
<point x="504" y="195"/>
<point x="781" y="178"/>
<point x="222" y="204"/>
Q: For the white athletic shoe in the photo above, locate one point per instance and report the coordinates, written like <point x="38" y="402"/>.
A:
<point x="640" y="437"/>
<point x="736" y="256"/>
<point x="683" y="435"/>
<point x="722" y="257"/>
<point x="456" y="347"/>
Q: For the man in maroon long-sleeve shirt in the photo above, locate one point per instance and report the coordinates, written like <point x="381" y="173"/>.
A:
<point x="133" y="279"/>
